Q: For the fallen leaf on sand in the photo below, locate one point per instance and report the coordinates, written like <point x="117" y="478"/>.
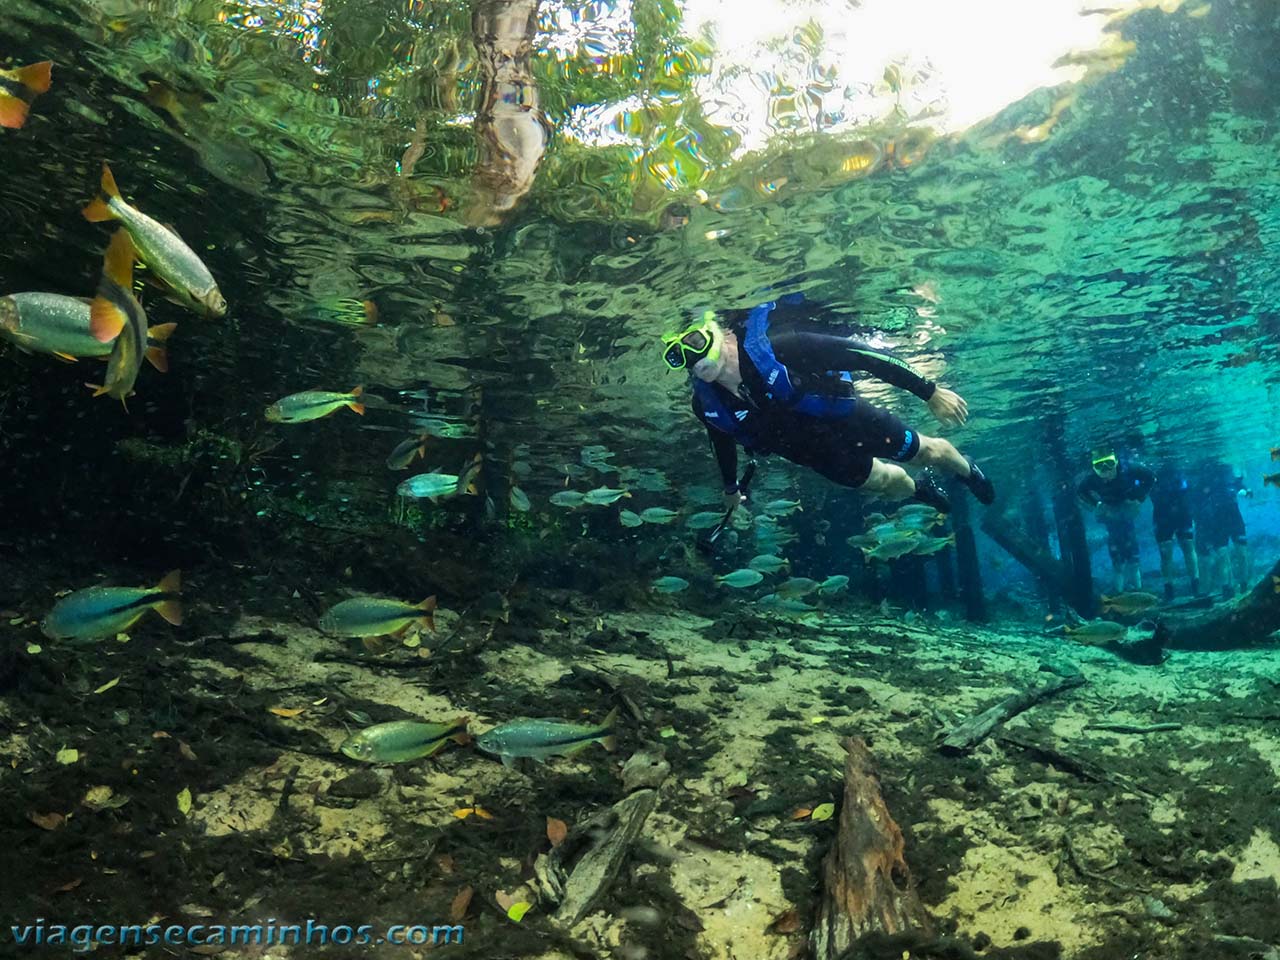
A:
<point x="69" y="885"/>
<point x="557" y="830"/>
<point x="67" y="755"/>
<point x="823" y="811"/>
<point x="47" y="821"/>
<point x="159" y="735"/>
<point x="108" y="685"/>
<point x="800" y="813"/>
<point x="458" y="909"/>
<point x="504" y="899"/>
<point x="463" y="812"/>
<point x="184" y="801"/>
<point x="186" y="750"/>
<point x="287" y="711"/>
<point x="445" y="862"/>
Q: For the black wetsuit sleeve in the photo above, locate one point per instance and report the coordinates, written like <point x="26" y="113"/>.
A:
<point x="811" y="354"/>
<point x="724" y="447"/>
<point x="1143" y="479"/>
<point x="1087" y="490"/>
<point x="726" y="452"/>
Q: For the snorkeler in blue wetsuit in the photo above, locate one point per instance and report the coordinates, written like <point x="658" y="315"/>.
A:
<point x="775" y="382"/>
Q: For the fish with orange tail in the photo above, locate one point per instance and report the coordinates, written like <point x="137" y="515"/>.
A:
<point x="314" y="404"/>
<point x="19" y="88"/>
<point x="165" y="253"/>
<point x="116" y="314"/>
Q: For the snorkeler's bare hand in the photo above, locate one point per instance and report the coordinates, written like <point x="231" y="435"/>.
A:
<point x="948" y="406"/>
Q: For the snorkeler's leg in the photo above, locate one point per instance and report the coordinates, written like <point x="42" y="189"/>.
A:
<point x="1133" y="575"/>
<point x="1133" y="568"/>
<point x="1166" y="566"/>
<point x="937" y="452"/>
<point x="872" y="442"/>
<point x="1115" y="551"/>
<point x="1240" y="563"/>
<point x="888" y="480"/>
<point x="1222" y="571"/>
<point x="1187" y="542"/>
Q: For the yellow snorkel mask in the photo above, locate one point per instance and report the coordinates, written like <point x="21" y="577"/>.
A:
<point x="702" y="340"/>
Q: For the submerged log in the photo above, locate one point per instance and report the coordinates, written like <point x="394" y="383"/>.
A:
<point x="866" y="881"/>
<point x="975" y="603"/>
<point x="578" y="872"/>
<point x="1044" y="566"/>
<point x="1249" y="621"/>
<point x="976" y="729"/>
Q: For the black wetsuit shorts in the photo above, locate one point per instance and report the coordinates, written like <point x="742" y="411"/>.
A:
<point x="1171" y="516"/>
<point x="1122" y="539"/>
<point x="842" y="450"/>
<point x="1222" y="524"/>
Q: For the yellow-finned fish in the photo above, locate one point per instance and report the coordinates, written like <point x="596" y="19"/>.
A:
<point x="1129" y="603"/>
<point x="377" y="617"/>
<point x="541" y="739"/>
<point x="407" y="451"/>
<point x="313" y="404"/>
<point x="98" y="612"/>
<point x="164" y="252"/>
<point x="403" y="740"/>
<point x="1097" y="632"/>
<point x="18" y="88"/>
<point x="469" y="479"/>
<point x="116" y="313"/>
<point x="59" y="326"/>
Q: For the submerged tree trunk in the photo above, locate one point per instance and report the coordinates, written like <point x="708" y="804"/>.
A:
<point x="510" y="126"/>
<point x="1249" y="621"/>
<point x="866" y="881"/>
<point x="1042" y="564"/>
<point x="975" y="604"/>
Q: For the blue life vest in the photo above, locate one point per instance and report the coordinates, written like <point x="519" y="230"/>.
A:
<point x="779" y="389"/>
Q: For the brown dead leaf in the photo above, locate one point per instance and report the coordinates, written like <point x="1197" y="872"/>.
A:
<point x="287" y="711"/>
<point x="47" y="821"/>
<point x="445" y="862"/>
<point x="160" y="735"/>
<point x="505" y="900"/>
<point x="70" y="885"/>
<point x="557" y="830"/>
<point x="786" y="922"/>
<point x="185" y="749"/>
<point x="800" y="813"/>
<point x="458" y="909"/>
<point x="463" y="812"/>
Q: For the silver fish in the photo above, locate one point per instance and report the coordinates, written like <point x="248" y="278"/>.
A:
<point x="161" y="249"/>
<point x="541" y="739"/>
